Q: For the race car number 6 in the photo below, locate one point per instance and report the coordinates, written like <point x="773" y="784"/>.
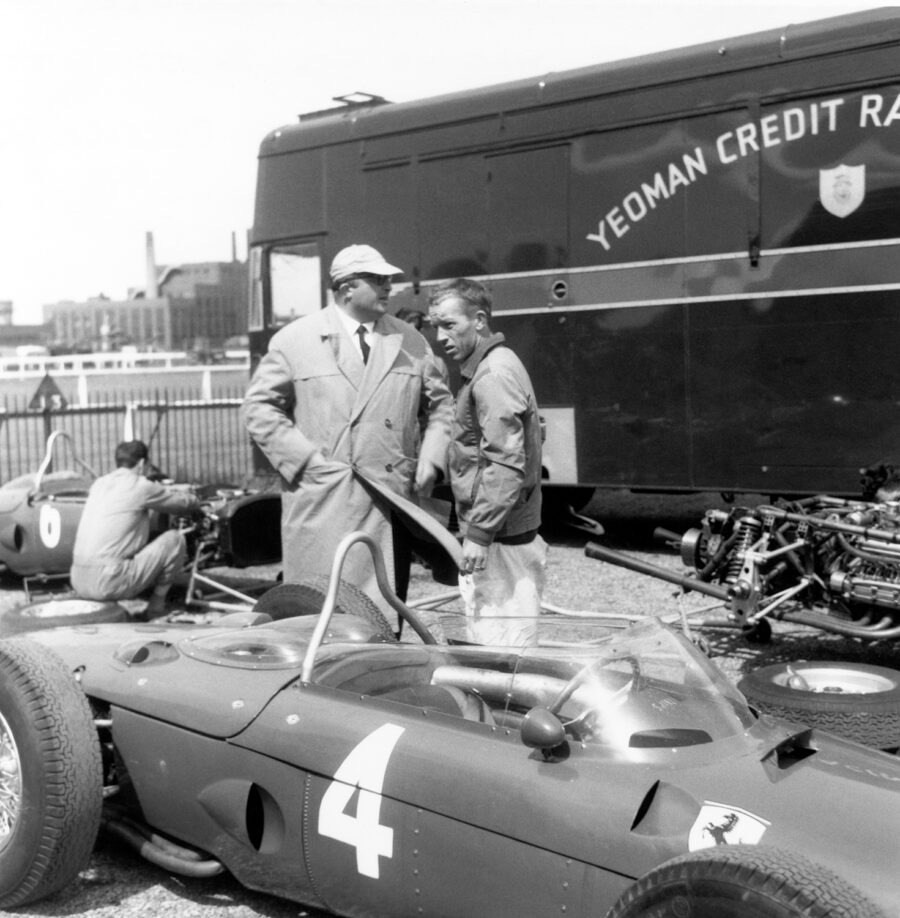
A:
<point x="363" y="769"/>
<point x="49" y="526"/>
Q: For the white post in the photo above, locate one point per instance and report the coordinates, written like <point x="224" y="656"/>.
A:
<point x="128" y="425"/>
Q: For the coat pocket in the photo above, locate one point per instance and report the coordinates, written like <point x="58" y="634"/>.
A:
<point x="315" y="368"/>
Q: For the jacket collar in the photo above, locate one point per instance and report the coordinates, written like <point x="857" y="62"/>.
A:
<point x="470" y="364"/>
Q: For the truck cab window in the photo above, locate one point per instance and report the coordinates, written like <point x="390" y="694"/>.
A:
<point x="295" y="275"/>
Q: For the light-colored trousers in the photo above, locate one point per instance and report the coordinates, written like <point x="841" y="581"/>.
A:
<point x="503" y="602"/>
<point x="157" y="563"/>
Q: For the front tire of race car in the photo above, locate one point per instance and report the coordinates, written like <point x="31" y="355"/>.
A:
<point x="857" y="701"/>
<point x="286" y="600"/>
<point x="51" y="782"/>
<point x="743" y="880"/>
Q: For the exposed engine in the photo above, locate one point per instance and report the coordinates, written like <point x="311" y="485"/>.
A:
<point x="824" y="561"/>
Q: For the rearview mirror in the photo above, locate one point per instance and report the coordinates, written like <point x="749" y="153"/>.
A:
<point x="542" y="730"/>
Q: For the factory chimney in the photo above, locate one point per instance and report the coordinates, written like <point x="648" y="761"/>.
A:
<point x="152" y="292"/>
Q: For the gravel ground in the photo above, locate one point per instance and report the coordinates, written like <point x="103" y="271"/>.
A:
<point x="117" y="882"/>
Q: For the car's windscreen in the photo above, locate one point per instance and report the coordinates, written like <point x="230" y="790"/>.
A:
<point x="645" y="686"/>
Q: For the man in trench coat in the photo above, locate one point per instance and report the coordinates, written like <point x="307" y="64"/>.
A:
<point x="344" y="392"/>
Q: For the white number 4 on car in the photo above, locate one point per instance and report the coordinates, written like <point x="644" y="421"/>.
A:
<point x="363" y="769"/>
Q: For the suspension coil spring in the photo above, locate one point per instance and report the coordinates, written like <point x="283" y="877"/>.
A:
<point x="748" y="530"/>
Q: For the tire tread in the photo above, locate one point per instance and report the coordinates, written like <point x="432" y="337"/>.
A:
<point x="806" y="889"/>
<point x="68" y="756"/>
<point x="872" y="719"/>
<point x="307" y="597"/>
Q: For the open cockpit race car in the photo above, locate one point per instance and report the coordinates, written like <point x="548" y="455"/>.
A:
<point x="602" y="770"/>
<point x="233" y="528"/>
<point x="39" y="516"/>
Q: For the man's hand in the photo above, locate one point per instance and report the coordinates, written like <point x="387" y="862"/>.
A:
<point x="426" y="476"/>
<point x="474" y="557"/>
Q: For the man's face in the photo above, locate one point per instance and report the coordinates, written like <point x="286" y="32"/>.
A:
<point x="366" y="296"/>
<point x="457" y="332"/>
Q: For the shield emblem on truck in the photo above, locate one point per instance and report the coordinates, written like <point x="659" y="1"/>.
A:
<point x="842" y="189"/>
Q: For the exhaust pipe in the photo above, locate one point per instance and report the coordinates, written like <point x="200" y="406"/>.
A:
<point x="161" y="851"/>
<point x="598" y="552"/>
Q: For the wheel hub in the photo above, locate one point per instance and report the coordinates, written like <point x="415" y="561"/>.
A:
<point x="10" y="784"/>
<point x="835" y="681"/>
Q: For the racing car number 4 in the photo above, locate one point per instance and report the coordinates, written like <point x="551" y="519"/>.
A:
<point x="364" y="770"/>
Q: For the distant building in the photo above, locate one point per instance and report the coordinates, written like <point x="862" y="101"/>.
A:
<point x="14" y="336"/>
<point x="208" y="302"/>
<point x="101" y="324"/>
<point x="196" y="307"/>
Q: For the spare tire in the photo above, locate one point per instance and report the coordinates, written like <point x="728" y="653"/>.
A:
<point x="857" y="701"/>
<point x="53" y="613"/>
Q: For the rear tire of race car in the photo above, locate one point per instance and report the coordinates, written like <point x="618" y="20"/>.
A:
<point x="56" y="612"/>
<point x="743" y="880"/>
<point x="854" y="700"/>
<point x="51" y="780"/>
<point x="287" y="600"/>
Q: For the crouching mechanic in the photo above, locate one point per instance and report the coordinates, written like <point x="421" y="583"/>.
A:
<point x="113" y="556"/>
<point x="495" y="470"/>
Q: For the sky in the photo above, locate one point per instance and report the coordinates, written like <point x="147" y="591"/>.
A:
<point x="122" y="117"/>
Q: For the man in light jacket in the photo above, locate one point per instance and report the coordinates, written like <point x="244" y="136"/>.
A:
<point x="114" y="557"/>
<point x="346" y="392"/>
<point x="495" y="470"/>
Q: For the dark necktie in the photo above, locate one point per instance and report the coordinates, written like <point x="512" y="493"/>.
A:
<point x="361" y="332"/>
